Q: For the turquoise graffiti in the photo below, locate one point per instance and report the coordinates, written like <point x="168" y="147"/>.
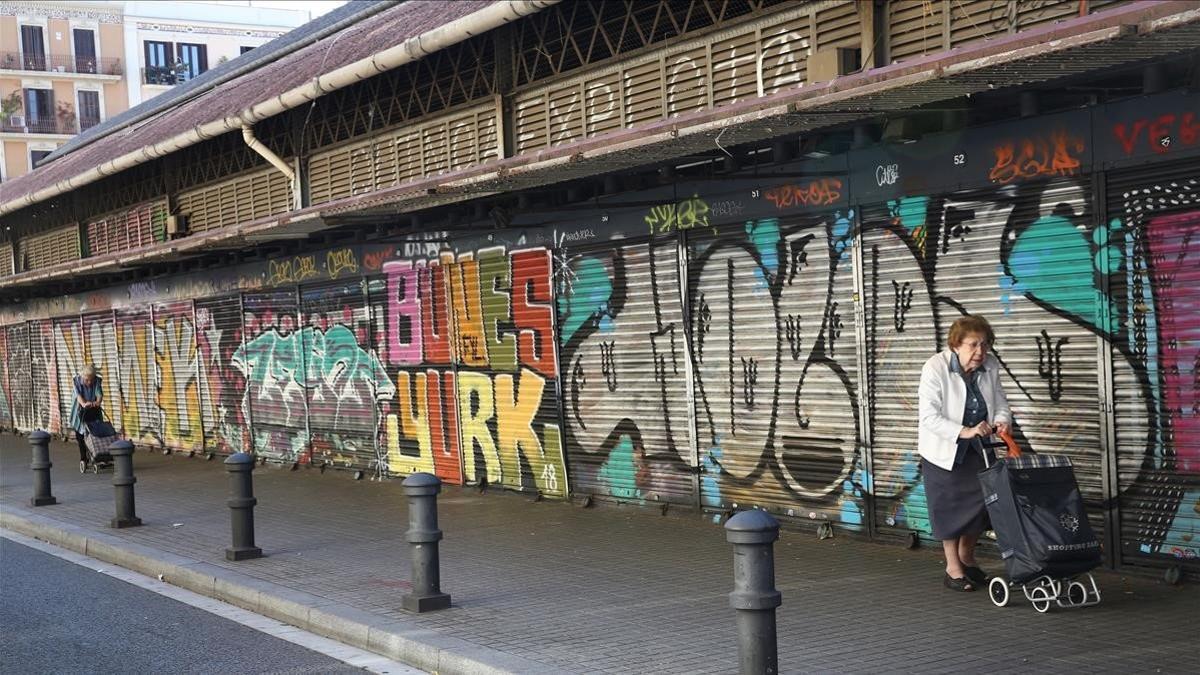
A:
<point x="324" y="377"/>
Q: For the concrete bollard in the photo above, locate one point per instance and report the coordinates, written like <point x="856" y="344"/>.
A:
<point x="423" y="533"/>
<point x="40" y="441"/>
<point x="241" y="505"/>
<point x="753" y="535"/>
<point x="123" y="480"/>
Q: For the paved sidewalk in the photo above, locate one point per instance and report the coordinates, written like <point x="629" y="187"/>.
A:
<point x="550" y="587"/>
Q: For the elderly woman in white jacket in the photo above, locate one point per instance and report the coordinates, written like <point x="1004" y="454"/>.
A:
<point x="961" y="404"/>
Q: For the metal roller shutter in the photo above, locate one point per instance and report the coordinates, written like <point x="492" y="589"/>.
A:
<point x="272" y="362"/>
<point x="6" y="402"/>
<point x="178" y="378"/>
<point x="20" y="378"/>
<point x="45" y="376"/>
<point x="411" y="309"/>
<point x="100" y="350"/>
<point x="625" y="384"/>
<point x="141" y="420"/>
<point x="344" y="379"/>
<point x="1015" y="257"/>
<point x="69" y="360"/>
<point x="1151" y="248"/>
<point x="776" y="393"/>
<point x="222" y="387"/>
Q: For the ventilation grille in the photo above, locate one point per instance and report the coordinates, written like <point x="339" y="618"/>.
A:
<point x="920" y="27"/>
<point x="54" y="247"/>
<point x="127" y="229"/>
<point x="753" y="59"/>
<point x="239" y="200"/>
<point x="447" y="142"/>
<point x="6" y="259"/>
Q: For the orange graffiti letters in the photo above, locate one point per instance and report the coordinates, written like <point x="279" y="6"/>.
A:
<point x="1053" y="155"/>
<point x="815" y="193"/>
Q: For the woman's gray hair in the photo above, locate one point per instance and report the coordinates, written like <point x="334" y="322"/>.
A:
<point x="88" y="370"/>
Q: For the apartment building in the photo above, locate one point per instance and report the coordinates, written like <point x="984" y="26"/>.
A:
<point x="68" y="66"/>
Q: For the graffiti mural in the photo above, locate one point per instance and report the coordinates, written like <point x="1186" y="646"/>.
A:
<point x="470" y="339"/>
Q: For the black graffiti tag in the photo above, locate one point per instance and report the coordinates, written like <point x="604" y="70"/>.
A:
<point x="1050" y="363"/>
<point x="904" y="298"/>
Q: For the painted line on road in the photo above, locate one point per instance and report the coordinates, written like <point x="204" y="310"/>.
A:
<point x="354" y="656"/>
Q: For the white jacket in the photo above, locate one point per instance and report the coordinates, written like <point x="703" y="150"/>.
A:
<point x="943" y="399"/>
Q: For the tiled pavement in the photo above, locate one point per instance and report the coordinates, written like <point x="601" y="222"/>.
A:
<point x="615" y="590"/>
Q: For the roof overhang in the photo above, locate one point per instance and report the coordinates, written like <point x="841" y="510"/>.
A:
<point x="1121" y="37"/>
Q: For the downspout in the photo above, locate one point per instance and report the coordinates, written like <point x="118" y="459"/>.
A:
<point x="489" y="18"/>
<point x="275" y="160"/>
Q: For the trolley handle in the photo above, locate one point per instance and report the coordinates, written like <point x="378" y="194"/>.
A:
<point x="1006" y="441"/>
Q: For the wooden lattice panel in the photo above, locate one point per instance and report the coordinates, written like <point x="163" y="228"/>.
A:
<point x="53" y="247"/>
<point x="6" y="259"/>
<point x="126" y="229"/>
<point x="238" y="200"/>
<point x="446" y="142"/>
<point x="754" y="58"/>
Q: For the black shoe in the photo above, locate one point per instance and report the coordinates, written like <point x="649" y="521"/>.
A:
<point x="959" y="584"/>
<point x="977" y="576"/>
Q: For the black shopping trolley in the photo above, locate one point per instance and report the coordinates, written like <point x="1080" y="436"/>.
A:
<point x="1047" y="545"/>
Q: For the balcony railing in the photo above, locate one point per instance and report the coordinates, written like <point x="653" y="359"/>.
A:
<point x="60" y="63"/>
<point x="86" y="123"/>
<point x="42" y="125"/>
<point x="165" y="75"/>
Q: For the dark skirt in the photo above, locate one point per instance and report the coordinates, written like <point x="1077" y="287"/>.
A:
<point x="955" y="498"/>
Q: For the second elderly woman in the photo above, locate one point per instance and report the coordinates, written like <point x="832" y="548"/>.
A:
<point x="961" y="404"/>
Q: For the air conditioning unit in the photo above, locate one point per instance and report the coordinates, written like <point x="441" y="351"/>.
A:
<point x="176" y="226"/>
<point x="16" y="120"/>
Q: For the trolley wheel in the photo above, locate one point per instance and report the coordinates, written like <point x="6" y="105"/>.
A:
<point x="998" y="591"/>
<point x="82" y="466"/>
<point x="1077" y="593"/>
<point x="1040" y="598"/>
<point x="96" y="469"/>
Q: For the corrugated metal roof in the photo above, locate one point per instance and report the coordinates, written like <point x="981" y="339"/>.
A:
<point x="373" y="34"/>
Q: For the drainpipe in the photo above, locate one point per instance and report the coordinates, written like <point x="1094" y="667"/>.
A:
<point x="415" y="48"/>
<point x="275" y="160"/>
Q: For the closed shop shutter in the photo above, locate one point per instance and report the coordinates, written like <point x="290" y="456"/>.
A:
<point x="100" y="350"/>
<point x="624" y="363"/>
<point x="222" y="387"/>
<point x="20" y="378"/>
<point x="272" y="362"/>
<point x="178" y="378"/>
<point x="69" y="358"/>
<point x="1021" y="259"/>
<point x="1151" y="247"/>
<point x="776" y="391"/>
<point x="419" y="427"/>
<point x="344" y="379"/>
<point x="45" y="376"/>
<point x="141" y="420"/>
<point x="6" y="403"/>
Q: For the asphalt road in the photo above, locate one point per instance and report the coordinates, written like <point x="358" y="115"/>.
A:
<point x="59" y="617"/>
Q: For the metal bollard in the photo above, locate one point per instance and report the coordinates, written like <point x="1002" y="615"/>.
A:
<point x="123" y="480"/>
<point x="241" y="502"/>
<point x="40" y="441"/>
<point x="423" y="533"/>
<point x="753" y="535"/>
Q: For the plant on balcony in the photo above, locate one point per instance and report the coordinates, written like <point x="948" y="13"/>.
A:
<point x="66" y="117"/>
<point x="115" y="68"/>
<point x="11" y="105"/>
<point x="10" y="62"/>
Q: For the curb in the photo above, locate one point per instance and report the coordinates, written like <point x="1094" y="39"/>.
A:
<point x="396" y="639"/>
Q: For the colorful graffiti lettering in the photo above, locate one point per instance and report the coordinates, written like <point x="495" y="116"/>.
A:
<point x="341" y="261"/>
<point x="682" y="215"/>
<point x="292" y="271"/>
<point x="1160" y="132"/>
<point x="821" y="192"/>
<point x="1054" y="155"/>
